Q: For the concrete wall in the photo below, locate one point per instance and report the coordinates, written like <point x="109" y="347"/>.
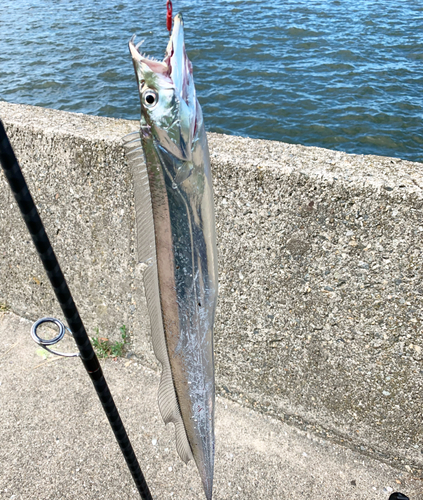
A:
<point x="321" y="292"/>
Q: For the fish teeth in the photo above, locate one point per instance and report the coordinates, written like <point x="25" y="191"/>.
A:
<point x="150" y="58"/>
<point x="138" y="45"/>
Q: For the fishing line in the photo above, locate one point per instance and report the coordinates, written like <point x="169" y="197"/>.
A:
<point x="51" y="265"/>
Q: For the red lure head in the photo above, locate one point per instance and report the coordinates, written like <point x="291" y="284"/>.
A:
<point x="169" y="15"/>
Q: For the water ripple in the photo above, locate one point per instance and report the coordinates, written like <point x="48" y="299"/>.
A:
<point x="345" y="75"/>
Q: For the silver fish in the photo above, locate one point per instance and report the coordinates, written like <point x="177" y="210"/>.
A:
<point x="176" y="238"/>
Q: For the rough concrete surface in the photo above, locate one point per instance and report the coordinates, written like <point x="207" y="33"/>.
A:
<point x="321" y="291"/>
<point x="56" y="442"/>
<point x="319" y="320"/>
<point x="75" y="167"/>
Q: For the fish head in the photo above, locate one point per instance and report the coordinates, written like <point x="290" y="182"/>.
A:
<point x="170" y="112"/>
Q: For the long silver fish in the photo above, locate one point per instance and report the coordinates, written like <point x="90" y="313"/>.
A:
<point x="176" y="238"/>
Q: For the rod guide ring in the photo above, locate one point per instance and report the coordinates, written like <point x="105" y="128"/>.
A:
<point x="44" y="343"/>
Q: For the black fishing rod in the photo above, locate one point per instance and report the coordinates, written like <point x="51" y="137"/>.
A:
<point x="86" y="352"/>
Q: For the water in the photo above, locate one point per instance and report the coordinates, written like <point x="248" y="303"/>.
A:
<point x="345" y="75"/>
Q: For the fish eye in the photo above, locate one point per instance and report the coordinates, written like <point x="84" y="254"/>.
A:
<point x="150" y="98"/>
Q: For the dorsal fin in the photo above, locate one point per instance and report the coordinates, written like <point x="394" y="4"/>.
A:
<point x="143" y="212"/>
<point x="168" y="403"/>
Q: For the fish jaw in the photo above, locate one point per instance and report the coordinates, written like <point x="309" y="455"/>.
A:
<point x="174" y="116"/>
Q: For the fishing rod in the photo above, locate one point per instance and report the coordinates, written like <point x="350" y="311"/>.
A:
<point x="88" y="357"/>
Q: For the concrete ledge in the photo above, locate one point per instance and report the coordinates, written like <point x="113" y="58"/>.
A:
<point x="321" y="291"/>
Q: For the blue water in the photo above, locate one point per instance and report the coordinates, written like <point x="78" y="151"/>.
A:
<point x="345" y="75"/>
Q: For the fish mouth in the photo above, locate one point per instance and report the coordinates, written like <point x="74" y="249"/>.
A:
<point x="175" y="65"/>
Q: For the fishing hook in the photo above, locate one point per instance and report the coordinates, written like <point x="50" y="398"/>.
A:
<point x="44" y="343"/>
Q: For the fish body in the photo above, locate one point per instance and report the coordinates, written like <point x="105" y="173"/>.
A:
<point x="178" y="243"/>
